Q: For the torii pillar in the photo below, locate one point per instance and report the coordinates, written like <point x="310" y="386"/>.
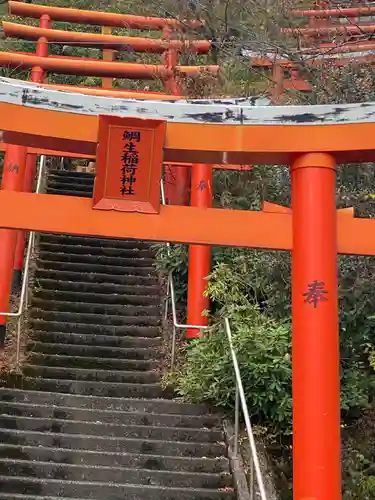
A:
<point x="315" y="338"/>
<point x="38" y="75"/>
<point x="13" y="178"/>
<point x="199" y="255"/>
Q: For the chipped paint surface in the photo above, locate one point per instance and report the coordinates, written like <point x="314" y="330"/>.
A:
<point x="242" y="111"/>
<point x="328" y="54"/>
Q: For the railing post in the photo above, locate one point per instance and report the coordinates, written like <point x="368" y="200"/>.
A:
<point x="199" y="255"/>
<point x="13" y="176"/>
<point x="38" y="76"/>
<point x="315" y="343"/>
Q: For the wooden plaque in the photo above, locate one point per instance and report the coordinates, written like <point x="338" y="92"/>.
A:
<point x="129" y="164"/>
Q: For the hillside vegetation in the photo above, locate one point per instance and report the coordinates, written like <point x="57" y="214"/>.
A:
<point x="252" y="287"/>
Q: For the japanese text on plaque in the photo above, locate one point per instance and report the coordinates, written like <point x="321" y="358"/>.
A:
<point x="129" y="162"/>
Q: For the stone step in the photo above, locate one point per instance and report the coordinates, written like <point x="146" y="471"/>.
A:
<point x="70" y="372"/>
<point x="139" y="353"/>
<point x="74" y="175"/>
<point x="100" y="298"/>
<point x="63" y="185"/>
<point x="112" y="444"/>
<point x="95" y="250"/>
<point x="77" y="276"/>
<point x="99" y="288"/>
<point x="88" y="417"/>
<point x="86" y="362"/>
<point x="64" y="239"/>
<point x="153" y="462"/>
<point x="130" y="270"/>
<point x="96" y="308"/>
<point x="78" y="181"/>
<point x="95" y="319"/>
<point x="95" y="340"/>
<point x="103" y="389"/>
<point x="68" y="192"/>
<point x="107" y="491"/>
<point x="102" y="403"/>
<point x="26" y="496"/>
<point x="80" y="472"/>
<point x="104" y="260"/>
<point x="63" y="426"/>
<point x="94" y="329"/>
<point x="109" y="416"/>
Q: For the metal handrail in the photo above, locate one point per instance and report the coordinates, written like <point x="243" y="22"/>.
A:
<point x="241" y="398"/>
<point x="25" y="279"/>
<point x="240" y="394"/>
<point x="172" y="296"/>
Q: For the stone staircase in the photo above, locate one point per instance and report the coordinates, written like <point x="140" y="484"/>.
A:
<point x="88" y="419"/>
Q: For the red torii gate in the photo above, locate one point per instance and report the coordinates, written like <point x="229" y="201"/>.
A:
<point x="177" y="176"/>
<point x="360" y="54"/>
<point x="316" y="49"/>
<point x="353" y="21"/>
<point x="312" y="139"/>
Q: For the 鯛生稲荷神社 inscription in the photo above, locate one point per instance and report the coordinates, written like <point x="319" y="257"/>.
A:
<point x="129" y="164"/>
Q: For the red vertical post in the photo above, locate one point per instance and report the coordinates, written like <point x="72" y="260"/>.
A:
<point x="37" y="73"/>
<point x="13" y="175"/>
<point x="315" y="339"/>
<point x="199" y="255"/>
<point x="177" y="178"/>
<point x="278" y="83"/>
<point x="175" y="191"/>
<point x="107" y="83"/>
<point x="38" y="76"/>
<point x="28" y="184"/>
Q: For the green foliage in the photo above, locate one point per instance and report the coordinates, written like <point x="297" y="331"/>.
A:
<point x="262" y="347"/>
<point x="173" y="258"/>
<point x="358" y="475"/>
<point x="357" y="386"/>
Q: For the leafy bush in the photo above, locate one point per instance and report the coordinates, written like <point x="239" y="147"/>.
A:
<point x="262" y="347"/>
<point x="173" y="258"/>
<point x="358" y="475"/>
<point x="262" y="342"/>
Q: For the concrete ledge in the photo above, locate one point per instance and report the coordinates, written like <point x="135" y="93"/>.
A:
<point x="236" y="464"/>
<point x="238" y="470"/>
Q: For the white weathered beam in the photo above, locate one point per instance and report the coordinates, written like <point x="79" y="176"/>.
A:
<point x="241" y="111"/>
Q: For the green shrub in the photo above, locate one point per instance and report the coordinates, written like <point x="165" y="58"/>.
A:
<point x="263" y="346"/>
<point x="262" y="349"/>
<point x="173" y="258"/>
